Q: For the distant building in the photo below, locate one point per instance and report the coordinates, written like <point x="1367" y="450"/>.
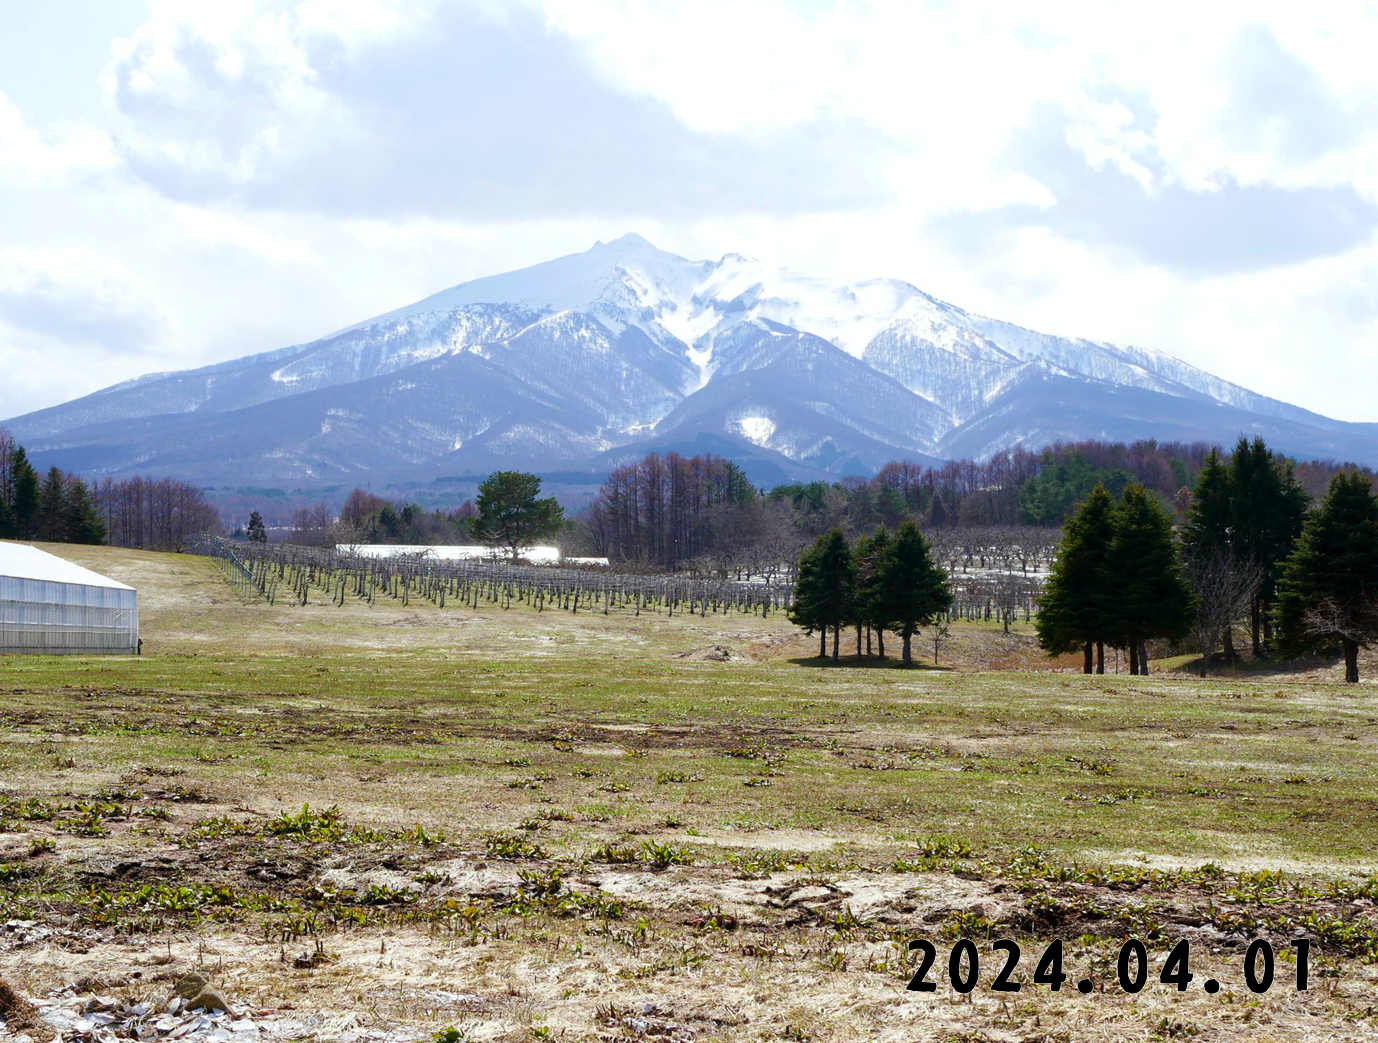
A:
<point x="49" y="606"/>
<point x="464" y="552"/>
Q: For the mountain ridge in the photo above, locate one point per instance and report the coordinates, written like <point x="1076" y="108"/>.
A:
<point x="594" y="356"/>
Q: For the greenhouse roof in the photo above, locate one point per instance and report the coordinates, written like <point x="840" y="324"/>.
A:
<point x="20" y="561"/>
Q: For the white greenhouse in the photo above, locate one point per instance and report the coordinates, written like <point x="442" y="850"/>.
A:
<point x="49" y="606"/>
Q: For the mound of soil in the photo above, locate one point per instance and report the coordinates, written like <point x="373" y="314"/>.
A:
<point x="713" y="654"/>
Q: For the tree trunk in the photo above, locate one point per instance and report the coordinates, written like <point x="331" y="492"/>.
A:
<point x="823" y="643"/>
<point x="1086" y="662"/>
<point x="1230" y="653"/>
<point x="1143" y="657"/>
<point x="880" y="642"/>
<point x="1133" y="657"/>
<point x="1256" y="626"/>
<point x="858" y="640"/>
<point x="1351" y="662"/>
<point x="1100" y="657"/>
<point x="868" y="641"/>
<point x="837" y="638"/>
<point x="905" y="658"/>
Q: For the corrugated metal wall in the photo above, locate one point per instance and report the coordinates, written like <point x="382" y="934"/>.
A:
<point x="66" y="618"/>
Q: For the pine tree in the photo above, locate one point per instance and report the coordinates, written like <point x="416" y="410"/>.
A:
<point x="52" y="507"/>
<point x="509" y="514"/>
<point x="891" y="506"/>
<point x="1150" y="596"/>
<point x="912" y="590"/>
<point x="1073" y="609"/>
<point x="868" y="554"/>
<point x="1328" y="590"/>
<point x="1268" y="507"/>
<point x="1208" y="531"/>
<point x="1208" y="544"/>
<point x="256" y="530"/>
<point x="24" y="499"/>
<point x="83" y="521"/>
<point x="824" y="590"/>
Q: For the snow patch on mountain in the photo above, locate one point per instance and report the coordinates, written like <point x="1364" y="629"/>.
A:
<point x="625" y="345"/>
<point x="757" y="429"/>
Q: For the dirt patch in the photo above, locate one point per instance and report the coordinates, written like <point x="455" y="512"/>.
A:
<point x="713" y="654"/>
<point x="18" y="1013"/>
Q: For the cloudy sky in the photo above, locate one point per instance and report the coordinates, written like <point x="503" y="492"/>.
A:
<point x="183" y="183"/>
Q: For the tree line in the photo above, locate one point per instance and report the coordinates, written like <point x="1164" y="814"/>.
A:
<point x="1252" y="551"/>
<point x="667" y="511"/>
<point x="368" y="518"/>
<point x="508" y="514"/>
<point x="56" y="507"/>
<point x="60" y="507"/>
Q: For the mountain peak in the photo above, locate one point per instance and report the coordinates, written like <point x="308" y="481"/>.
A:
<point x="625" y="346"/>
<point x="630" y="241"/>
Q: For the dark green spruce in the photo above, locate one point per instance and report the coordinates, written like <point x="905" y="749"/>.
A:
<point x="1328" y="590"/>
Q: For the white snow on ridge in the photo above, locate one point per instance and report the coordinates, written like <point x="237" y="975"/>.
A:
<point x="595" y="350"/>
<point x="629" y="282"/>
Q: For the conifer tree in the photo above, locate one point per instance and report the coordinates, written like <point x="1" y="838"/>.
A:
<point x="1072" y="613"/>
<point x="868" y="555"/>
<point x="824" y="590"/>
<point x="1328" y="590"/>
<point x="1208" y="531"/>
<point x="912" y="590"/>
<point x="1149" y="596"/>
<point x="509" y="514"/>
<point x="1268" y="508"/>
<point x="1214" y="565"/>
<point x="52" y="507"/>
<point x="83" y="522"/>
<point x="24" y="498"/>
<point x="256" y="530"/>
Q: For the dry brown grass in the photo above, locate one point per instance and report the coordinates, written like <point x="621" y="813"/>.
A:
<point x="830" y="814"/>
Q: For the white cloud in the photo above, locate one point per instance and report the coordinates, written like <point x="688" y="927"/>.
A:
<point x="28" y="157"/>
<point x="79" y="293"/>
<point x="216" y="228"/>
<point x="1194" y="177"/>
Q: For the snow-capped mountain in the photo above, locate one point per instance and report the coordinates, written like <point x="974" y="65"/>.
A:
<point x="587" y="359"/>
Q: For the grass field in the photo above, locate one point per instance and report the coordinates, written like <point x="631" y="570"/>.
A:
<point x="532" y="825"/>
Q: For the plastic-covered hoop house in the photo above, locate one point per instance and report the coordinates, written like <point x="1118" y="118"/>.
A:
<point x="49" y="606"/>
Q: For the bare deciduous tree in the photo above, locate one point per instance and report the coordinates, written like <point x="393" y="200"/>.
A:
<point x="1225" y="587"/>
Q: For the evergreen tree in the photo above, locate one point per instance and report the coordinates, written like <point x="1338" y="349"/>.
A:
<point x="1150" y="596"/>
<point x="256" y="530"/>
<point x="1268" y="508"/>
<point x="6" y="519"/>
<point x="868" y="555"/>
<point x="52" y="507"/>
<point x="1209" y="528"/>
<point x="83" y="521"/>
<point x="509" y="514"/>
<point x="24" y="499"/>
<point x="1328" y="590"/>
<point x="912" y="589"/>
<point x="823" y="592"/>
<point x="1208" y="545"/>
<point x="891" y="506"/>
<point x="1072" y="613"/>
<point x="1050" y="496"/>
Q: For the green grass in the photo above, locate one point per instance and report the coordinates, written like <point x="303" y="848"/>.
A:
<point x="478" y="790"/>
<point x="1163" y="766"/>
